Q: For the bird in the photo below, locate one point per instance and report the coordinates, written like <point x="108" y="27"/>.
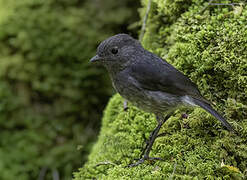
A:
<point x="149" y="83"/>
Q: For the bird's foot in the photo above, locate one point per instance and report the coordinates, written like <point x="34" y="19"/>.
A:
<point x="184" y="116"/>
<point x="125" y="105"/>
<point x="140" y="161"/>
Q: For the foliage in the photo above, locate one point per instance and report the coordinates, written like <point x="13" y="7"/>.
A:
<point x="51" y="98"/>
<point x="209" y="46"/>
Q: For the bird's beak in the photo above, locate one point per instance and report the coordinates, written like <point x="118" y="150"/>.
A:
<point x="95" y="59"/>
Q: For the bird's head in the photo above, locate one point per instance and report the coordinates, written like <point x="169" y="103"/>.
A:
<point x="117" y="52"/>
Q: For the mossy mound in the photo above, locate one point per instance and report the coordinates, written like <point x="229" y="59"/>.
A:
<point x="51" y="100"/>
<point x="209" y="46"/>
<point x="192" y="147"/>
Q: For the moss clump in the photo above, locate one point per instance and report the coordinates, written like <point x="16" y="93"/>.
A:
<point x="51" y="98"/>
<point x="210" y="47"/>
<point x="188" y="146"/>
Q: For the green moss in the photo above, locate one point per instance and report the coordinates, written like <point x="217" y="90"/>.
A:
<point x="195" y="149"/>
<point x="51" y="97"/>
<point x="210" y="47"/>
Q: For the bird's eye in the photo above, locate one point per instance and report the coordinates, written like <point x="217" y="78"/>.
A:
<point x="114" y="50"/>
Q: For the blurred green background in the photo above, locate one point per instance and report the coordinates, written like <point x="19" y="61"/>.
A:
<point x="51" y="98"/>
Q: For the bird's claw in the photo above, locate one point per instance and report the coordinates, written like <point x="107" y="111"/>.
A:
<point x="140" y="161"/>
<point x="125" y="105"/>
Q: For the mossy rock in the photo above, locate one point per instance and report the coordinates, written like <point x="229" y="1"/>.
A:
<point x="209" y="46"/>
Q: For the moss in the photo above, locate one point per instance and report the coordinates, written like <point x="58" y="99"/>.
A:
<point x="51" y="98"/>
<point x="208" y="45"/>
<point x="191" y="145"/>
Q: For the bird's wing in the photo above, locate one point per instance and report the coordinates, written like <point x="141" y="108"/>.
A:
<point x="158" y="75"/>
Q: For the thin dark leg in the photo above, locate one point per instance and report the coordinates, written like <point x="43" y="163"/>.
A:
<point x="149" y="143"/>
<point x="153" y="137"/>
<point x="159" y="119"/>
<point x="125" y="105"/>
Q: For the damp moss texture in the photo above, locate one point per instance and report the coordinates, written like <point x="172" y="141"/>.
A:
<point x="208" y="43"/>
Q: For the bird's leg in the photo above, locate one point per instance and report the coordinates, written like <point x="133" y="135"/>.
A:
<point x="125" y="105"/>
<point x="149" y="143"/>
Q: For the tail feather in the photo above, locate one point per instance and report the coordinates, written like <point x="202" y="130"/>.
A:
<point x="209" y="109"/>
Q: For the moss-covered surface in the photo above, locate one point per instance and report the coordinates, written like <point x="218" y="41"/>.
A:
<point x="51" y="100"/>
<point x="210" y="46"/>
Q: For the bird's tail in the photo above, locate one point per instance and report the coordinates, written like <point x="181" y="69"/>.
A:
<point x="209" y="109"/>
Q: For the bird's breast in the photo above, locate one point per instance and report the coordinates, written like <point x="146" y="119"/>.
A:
<point x="150" y="101"/>
<point x="129" y="88"/>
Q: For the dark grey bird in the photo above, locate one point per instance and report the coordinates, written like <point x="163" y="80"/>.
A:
<point x="149" y="82"/>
